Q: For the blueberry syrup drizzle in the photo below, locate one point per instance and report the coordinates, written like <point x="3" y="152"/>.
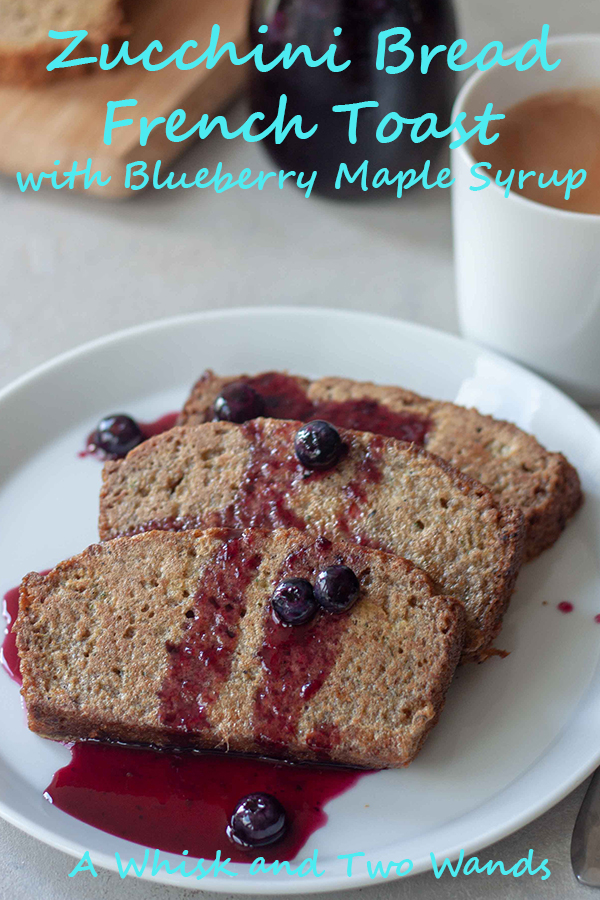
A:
<point x="296" y="660"/>
<point x="8" y="654"/>
<point x="356" y="494"/>
<point x="9" y="657"/>
<point x="272" y="476"/>
<point x="369" y="415"/>
<point x="285" y="399"/>
<point x="262" y="498"/>
<point x="149" y="429"/>
<point x="201" y="663"/>
<point x="160" y="425"/>
<point x="176" y="801"/>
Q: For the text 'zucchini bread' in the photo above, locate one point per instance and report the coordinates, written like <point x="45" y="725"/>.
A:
<point x="382" y="493"/>
<point x="171" y="640"/>
<point x="516" y="468"/>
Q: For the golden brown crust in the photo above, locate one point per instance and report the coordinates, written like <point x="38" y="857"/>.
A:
<point x="94" y="637"/>
<point x="419" y="507"/>
<point x="511" y="463"/>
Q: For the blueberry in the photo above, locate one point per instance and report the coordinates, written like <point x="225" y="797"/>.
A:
<point x="238" y="402"/>
<point x="294" y="601"/>
<point x="318" y="445"/>
<point x="337" y="589"/>
<point x="117" y="435"/>
<point x="257" y="820"/>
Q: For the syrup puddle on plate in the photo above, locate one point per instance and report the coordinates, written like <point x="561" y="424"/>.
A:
<point x="175" y="801"/>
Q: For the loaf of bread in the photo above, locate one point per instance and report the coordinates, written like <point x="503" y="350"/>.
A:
<point x="514" y="466"/>
<point x="171" y="640"/>
<point x="383" y="493"/>
<point x="26" y="49"/>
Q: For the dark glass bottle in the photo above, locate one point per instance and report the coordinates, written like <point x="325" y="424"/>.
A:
<point x="312" y="92"/>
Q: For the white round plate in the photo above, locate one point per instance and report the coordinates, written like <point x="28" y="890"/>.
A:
<point x="517" y="734"/>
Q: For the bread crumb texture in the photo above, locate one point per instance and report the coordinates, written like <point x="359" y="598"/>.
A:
<point x="26" y="49"/>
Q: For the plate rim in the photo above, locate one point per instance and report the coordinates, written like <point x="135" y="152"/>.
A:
<point x="333" y="882"/>
<point x="114" y="337"/>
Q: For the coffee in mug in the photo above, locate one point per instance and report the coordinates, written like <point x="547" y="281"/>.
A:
<point x="528" y="273"/>
<point x="548" y="132"/>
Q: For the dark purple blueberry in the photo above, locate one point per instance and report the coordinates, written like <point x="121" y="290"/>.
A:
<point x="117" y="435"/>
<point x="238" y="402"/>
<point x="257" y="820"/>
<point x="337" y="589"/>
<point x="294" y="601"/>
<point x="318" y="445"/>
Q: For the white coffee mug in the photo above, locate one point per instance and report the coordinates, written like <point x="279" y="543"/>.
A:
<point x="528" y="275"/>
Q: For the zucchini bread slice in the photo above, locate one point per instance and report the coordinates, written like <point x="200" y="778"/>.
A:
<point x="171" y="640"/>
<point x="26" y="49"/>
<point x="510" y="462"/>
<point x="382" y="493"/>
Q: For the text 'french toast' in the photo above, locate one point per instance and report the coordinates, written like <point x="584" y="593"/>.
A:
<point x="512" y="464"/>
<point x="171" y="640"/>
<point x="382" y="492"/>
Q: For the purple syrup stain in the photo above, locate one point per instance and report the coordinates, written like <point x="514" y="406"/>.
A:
<point x="160" y="425"/>
<point x="597" y="619"/>
<point x="175" y="801"/>
<point x="284" y="398"/>
<point x="565" y="607"/>
<point x="201" y="662"/>
<point x="9" y="656"/>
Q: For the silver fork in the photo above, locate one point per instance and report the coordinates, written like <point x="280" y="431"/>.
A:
<point x="585" y="843"/>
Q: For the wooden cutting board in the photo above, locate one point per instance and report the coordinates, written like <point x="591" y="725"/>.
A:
<point x="65" y="120"/>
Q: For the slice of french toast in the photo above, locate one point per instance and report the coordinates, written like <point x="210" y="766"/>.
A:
<point x="26" y="48"/>
<point x="171" y="640"/>
<point x="512" y="464"/>
<point x="381" y="493"/>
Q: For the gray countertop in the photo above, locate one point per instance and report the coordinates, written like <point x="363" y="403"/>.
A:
<point x="72" y="269"/>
